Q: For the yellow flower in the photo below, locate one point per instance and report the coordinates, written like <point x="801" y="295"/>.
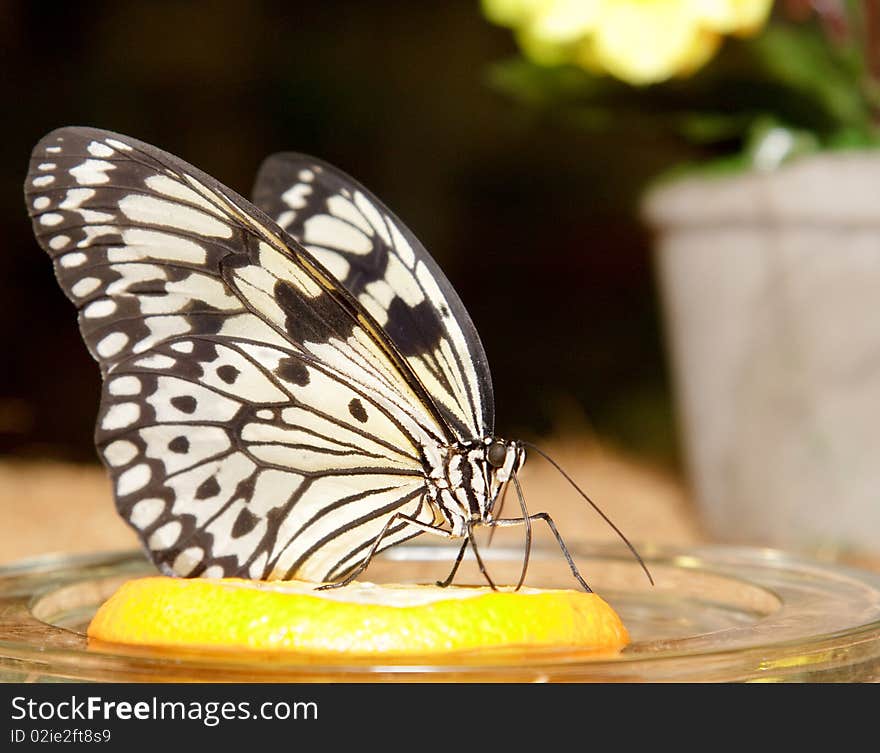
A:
<point x="638" y="41"/>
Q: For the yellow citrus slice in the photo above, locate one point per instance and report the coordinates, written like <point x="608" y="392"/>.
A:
<point x="361" y="619"/>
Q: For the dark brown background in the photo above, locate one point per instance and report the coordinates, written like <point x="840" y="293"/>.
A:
<point x="535" y="222"/>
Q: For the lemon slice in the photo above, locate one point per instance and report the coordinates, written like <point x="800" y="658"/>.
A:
<point x="361" y="619"/>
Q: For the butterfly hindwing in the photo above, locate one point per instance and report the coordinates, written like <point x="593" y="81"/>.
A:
<point x="254" y="420"/>
<point x="382" y="264"/>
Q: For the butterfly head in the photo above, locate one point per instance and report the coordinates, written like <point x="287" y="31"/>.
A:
<point x="503" y="459"/>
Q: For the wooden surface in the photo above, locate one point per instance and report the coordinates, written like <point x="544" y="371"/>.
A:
<point x="56" y="508"/>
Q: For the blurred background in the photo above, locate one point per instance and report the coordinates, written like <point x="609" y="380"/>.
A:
<point x="532" y="222"/>
<point x="529" y="202"/>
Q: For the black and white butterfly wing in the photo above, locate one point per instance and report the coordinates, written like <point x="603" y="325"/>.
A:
<point x="382" y="264"/>
<point x="254" y="419"/>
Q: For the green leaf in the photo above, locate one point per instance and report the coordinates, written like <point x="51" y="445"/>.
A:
<point x="790" y="77"/>
<point x="802" y="59"/>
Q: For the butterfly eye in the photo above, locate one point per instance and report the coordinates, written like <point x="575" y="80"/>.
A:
<point x="496" y="454"/>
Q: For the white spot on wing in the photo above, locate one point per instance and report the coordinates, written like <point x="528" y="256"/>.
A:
<point x="156" y="361"/>
<point x="381" y="291"/>
<point x="120" y="452"/>
<point x="117" y="254"/>
<point x="85" y="286"/>
<point x="74" y="259"/>
<point x="76" y="197"/>
<point x="295" y="196"/>
<point x="97" y="149"/>
<point x="146" y="512"/>
<point x="43" y="180"/>
<point x="131" y="274"/>
<point x="403" y="282"/>
<point x="41" y="202"/>
<point x="161" y="328"/>
<point x="251" y="328"/>
<point x="372" y="214"/>
<point x="336" y="264"/>
<point x="168" y="186"/>
<point x="285" y="218"/>
<point x="51" y="218"/>
<point x="153" y="211"/>
<point x="401" y="245"/>
<point x="120" y="415"/>
<point x="95" y="231"/>
<point x="345" y="210"/>
<point x="378" y="313"/>
<point x="166" y="536"/>
<point x="430" y="286"/>
<point x="92" y="172"/>
<point x="116" y="145"/>
<point x="111" y="344"/>
<point x="99" y="309"/>
<point x="158" y="245"/>
<point x="124" y="385"/>
<point x="74" y="200"/>
<point x="206" y="289"/>
<point x="163" y="304"/>
<point x="188" y="560"/>
<point x="89" y="215"/>
<point x="326" y="230"/>
<point x="132" y="480"/>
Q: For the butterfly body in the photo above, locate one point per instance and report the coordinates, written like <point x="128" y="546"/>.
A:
<point x="465" y="487"/>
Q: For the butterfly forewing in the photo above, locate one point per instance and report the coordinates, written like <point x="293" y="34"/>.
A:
<point x="254" y="418"/>
<point x="382" y="264"/>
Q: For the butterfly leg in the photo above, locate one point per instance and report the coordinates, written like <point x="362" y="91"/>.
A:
<point x="446" y="581"/>
<point x="507" y="522"/>
<point x="398" y="516"/>
<point x="473" y="542"/>
<point x="469" y="539"/>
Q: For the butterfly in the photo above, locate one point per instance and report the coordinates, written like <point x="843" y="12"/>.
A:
<point x="289" y="386"/>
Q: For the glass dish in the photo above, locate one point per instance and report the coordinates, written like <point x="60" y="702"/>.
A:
<point x="715" y="614"/>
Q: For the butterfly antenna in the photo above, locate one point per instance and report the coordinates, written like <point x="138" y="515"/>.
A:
<point x="528" y="523"/>
<point x="593" y="505"/>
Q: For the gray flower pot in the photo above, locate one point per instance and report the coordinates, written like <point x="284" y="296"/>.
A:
<point x="771" y="291"/>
